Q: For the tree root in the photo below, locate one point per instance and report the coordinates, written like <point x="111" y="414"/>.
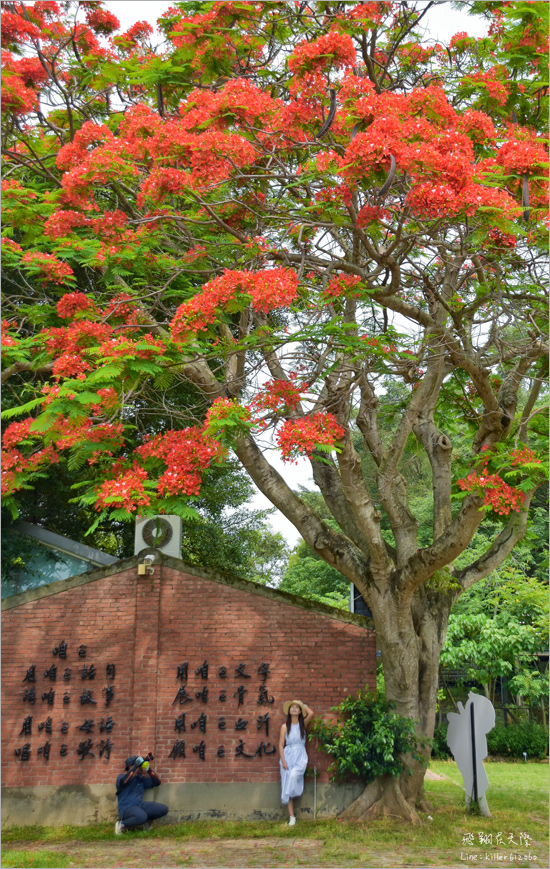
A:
<point x="382" y="798"/>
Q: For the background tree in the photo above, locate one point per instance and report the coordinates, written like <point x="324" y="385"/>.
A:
<point x="495" y="632"/>
<point x="283" y="207"/>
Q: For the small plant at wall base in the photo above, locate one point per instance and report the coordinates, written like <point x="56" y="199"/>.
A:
<point x="368" y="740"/>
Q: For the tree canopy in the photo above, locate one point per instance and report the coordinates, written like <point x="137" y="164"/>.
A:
<point x="282" y="209"/>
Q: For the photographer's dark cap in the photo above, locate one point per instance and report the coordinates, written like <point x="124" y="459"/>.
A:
<point x="130" y="760"/>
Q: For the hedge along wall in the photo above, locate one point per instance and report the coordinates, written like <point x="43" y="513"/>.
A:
<point x="189" y="665"/>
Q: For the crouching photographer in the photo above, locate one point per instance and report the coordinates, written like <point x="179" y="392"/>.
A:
<point x="130" y="787"/>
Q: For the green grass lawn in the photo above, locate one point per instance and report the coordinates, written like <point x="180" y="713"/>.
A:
<point x="517" y="798"/>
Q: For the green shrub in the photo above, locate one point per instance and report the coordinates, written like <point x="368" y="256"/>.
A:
<point x="513" y="740"/>
<point x="368" y="739"/>
<point x="440" y="749"/>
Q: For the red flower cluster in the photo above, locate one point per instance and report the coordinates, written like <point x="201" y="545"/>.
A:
<point x="47" y="266"/>
<point x="17" y="28"/>
<point x="370" y="213"/>
<point x="522" y="156"/>
<point x="187" y="454"/>
<point x="129" y="40"/>
<point x="341" y="285"/>
<point x="200" y="31"/>
<point x="331" y="50"/>
<point x="301" y="437"/>
<point x="370" y="13"/>
<point x="15" y="464"/>
<point x="501" y="239"/>
<point x="89" y="136"/>
<point x="269" y="289"/>
<point x="20" y="83"/>
<point x="524" y="456"/>
<point x="61" y="223"/>
<point x="493" y="82"/>
<point x="238" y="101"/>
<point x="126" y="491"/>
<point x="73" y="303"/>
<point x="478" y="126"/>
<point x="280" y="394"/>
<point x="7" y="339"/>
<point x="101" y="20"/>
<point x="497" y="494"/>
<point x="222" y="410"/>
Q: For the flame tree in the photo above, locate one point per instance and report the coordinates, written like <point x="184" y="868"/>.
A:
<point x="291" y="209"/>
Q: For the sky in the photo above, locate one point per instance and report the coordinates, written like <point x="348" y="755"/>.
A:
<point x="442" y="22"/>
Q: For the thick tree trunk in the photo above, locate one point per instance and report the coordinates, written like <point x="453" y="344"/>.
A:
<point x="410" y="640"/>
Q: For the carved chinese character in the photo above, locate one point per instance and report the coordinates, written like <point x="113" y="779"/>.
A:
<point x="202" y="694"/>
<point x="24" y="752"/>
<point x="49" y="696"/>
<point x="263" y="721"/>
<point x="179" y="723"/>
<point x="239" y="671"/>
<point x="51" y="673"/>
<point x="263" y="697"/>
<point x="67" y="697"/>
<point x="222" y="672"/>
<point x="178" y="749"/>
<point x="29" y="696"/>
<point x="182" y="696"/>
<point x="87" y="697"/>
<point x="64" y="727"/>
<point x="182" y="671"/>
<point x="263" y="671"/>
<point x="265" y="748"/>
<point x="88" y="725"/>
<point x="240" y="724"/>
<point x="239" y="750"/>
<point x="85" y="748"/>
<point x="106" y="726"/>
<point x="221" y="751"/>
<point x="47" y="724"/>
<point x="31" y="674"/>
<point x="63" y="750"/>
<point x="67" y="674"/>
<point x="26" y="729"/>
<point x="87" y="672"/>
<point x="202" y="670"/>
<point x="108" y="692"/>
<point x="82" y="650"/>
<point x="61" y="649"/>
<point x="223" y="697"/>
<point x="200" y="722"/>
<point x="105" y="748"/>
<point x="240" y="692"/>
<point x="221" y="724"/>
<point x="200" y="749"/>
<point x="110" y="671"/>
<point x="44" y="750"/>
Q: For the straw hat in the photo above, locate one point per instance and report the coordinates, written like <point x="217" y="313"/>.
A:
<point x="289" y="703"/>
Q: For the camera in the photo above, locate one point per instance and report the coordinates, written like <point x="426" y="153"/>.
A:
<point x="139" y="761"/>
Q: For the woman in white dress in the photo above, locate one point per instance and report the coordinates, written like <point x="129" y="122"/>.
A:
<point x="292" y="752"/>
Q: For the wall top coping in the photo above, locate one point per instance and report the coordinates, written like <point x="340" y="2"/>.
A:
<point x="54" y="588"/>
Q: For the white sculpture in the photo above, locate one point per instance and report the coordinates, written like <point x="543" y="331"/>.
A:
<point x="476" y="720"/>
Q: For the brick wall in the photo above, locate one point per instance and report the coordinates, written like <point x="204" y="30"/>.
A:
<point x="147" y="627"/>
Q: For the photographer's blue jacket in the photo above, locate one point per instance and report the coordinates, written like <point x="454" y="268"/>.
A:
<point x="131" y="794"/>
